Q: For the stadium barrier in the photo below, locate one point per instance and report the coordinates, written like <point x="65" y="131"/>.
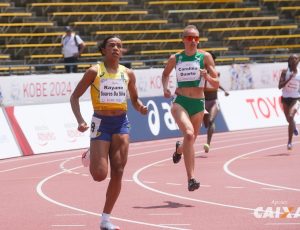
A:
<point x="36" y="115"/>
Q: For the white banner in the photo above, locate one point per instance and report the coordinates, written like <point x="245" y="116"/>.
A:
<point x="38" y="89"/>
<point x="247" y="109"/>
<point x="57" y="88"/>
<point x="53" y="127"/>
<point x="8" y="145"/>
<point x="250" y="76"/>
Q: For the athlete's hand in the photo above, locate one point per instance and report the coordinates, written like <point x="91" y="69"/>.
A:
<point x="167" y="93"/>
<point x="143" y="110"/>
<point x="82" y="127"/>
<point x="204" y="74"/>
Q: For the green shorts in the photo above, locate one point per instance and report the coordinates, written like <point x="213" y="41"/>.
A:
<point x="191" y="105"/>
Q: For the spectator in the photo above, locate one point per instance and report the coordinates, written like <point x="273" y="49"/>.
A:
<point x="72" y="48"/>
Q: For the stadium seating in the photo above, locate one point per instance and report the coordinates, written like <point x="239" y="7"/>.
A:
<point x="235" y="30"/>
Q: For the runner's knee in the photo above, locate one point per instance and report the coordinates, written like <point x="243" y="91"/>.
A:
<point x="99" y="175"/>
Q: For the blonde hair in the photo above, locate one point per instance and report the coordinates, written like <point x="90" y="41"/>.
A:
<point x="189" y="27"/>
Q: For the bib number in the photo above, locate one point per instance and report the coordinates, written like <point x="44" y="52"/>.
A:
<point x="95" y="124"/>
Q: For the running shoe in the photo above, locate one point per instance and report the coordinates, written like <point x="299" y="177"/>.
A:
<point x="176" y="156"/>
<point x="296" y="132"/>
<point x="206" y="147"/>
<point x="106" y="225"/>
<point x="85" y="158"/>
<point x="193" y="185"/>
<point x="289" y="146"/>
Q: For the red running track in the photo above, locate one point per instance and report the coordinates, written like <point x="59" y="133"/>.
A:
<point x="243" y="171"/>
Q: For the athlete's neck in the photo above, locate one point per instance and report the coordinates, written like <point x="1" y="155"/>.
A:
<point x="111" y="66"/>
<point x="190" y="52"/>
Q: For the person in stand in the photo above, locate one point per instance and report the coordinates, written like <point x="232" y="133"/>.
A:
<point x="109" y="84"/>
<point x="72" y="48"/>
<point x="289" y="82"/>
<point x="212" y="108"/>
<point x="192" y="68"/>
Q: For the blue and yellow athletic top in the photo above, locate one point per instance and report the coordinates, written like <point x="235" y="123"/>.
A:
<point x="188" y="70"/>
<point x="109" y="90"/>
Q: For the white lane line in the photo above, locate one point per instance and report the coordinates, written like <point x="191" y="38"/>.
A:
<point x="40" y="192"/>
<point x="139" y="154"/>
<point x="70" y="214"/>
<point x="30" y="165"/>
<point x="165" y="214"/>
<point x="205" y="186"/>
<point x="282" y="224"/>
<point x="44" y="196"/>
<point x="229" y="172"/>
<point x="140" y="183"/>
<point x="176" y="184"/>
<point x="234" y="187"/>
<point x="273" y="189"/>
<point x="150" y="182"/>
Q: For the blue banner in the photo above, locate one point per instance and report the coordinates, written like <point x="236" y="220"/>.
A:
<point x="159" y="122"/>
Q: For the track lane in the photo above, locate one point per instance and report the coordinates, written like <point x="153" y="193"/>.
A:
<point x="173" y="207"/>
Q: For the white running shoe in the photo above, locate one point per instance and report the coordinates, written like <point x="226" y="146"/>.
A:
<point x="206" y="147"/>
<point x="289" y="146"/>
<point x="85" y="158"/>
<point x="106" y="225"/>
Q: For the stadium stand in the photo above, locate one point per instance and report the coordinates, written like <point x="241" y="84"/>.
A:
<point x="237" y="31"/>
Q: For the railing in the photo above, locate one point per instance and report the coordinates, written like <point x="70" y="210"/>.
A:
<point x="27" y="69"/>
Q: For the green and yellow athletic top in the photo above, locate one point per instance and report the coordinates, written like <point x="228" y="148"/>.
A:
<point x="109" y="90"/>
<point x="188" y="70"/>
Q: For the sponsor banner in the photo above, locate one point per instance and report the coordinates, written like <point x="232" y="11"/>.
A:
<point x="250" y="76"/>
<point x="8" y="145"/>
<point x="57" y="88"/>
<point x="149" y="82"/>
<point x="38" y="89"/>
<point x="159" y="123"/>
<point x="247" y="109"/>
<point x="53" y="127"/>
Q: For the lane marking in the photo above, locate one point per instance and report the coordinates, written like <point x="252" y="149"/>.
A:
<point x="205" y="185"/>
<point x="70" y="214"/>
<point x="40" y="192"/>
<point x="150" y="182"/>
<point x="288" y="224"/>
<point x="30" y="165"/>
<point x="165" y="214"/>
<point x="233" y="187"/>
<point x="273" y="189"/>
<point x="176" y="184"/>
<point x="139" y="182"/>
<point x="229" y="172"/>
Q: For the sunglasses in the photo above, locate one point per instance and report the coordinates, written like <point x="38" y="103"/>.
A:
<point x="191" y="38"/>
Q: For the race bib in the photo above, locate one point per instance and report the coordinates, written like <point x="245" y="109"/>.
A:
<point x="293" y="85"/>
<point x="95" y="124"/>
<point x="113" y="91"/>
<point x="188" y="71"/>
